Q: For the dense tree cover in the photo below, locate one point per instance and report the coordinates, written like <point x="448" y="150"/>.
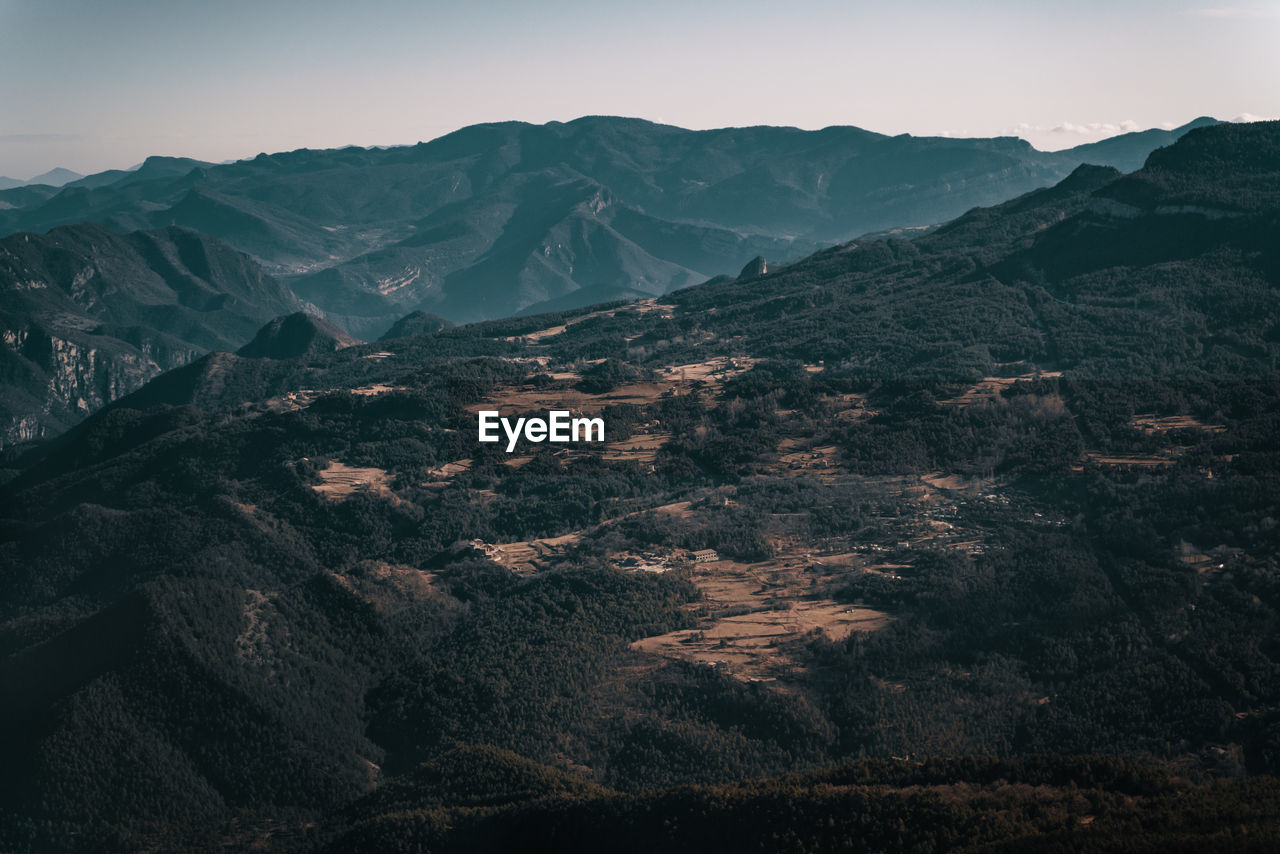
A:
<point x="606" y="376"/>
<point x="1091" y="804"/>
<point x="518" y="670"/>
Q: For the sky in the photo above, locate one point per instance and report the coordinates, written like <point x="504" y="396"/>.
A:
<point x="98" y="84"/>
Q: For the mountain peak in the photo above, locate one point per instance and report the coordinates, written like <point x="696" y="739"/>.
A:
<point x="1198" y="122"/>
<point x="295" y="335"/>
<point x="1088" y="176"/>
<point x="1252" y="147"/>
<point x="56" y="177"/>
<point x="416" y="323"/>
<point x="161" y="166"/>
<point x="1222" y="169"/>
<point x="755" y="268"/>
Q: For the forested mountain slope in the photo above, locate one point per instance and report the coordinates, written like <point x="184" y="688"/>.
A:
<point x="89" y="315"/>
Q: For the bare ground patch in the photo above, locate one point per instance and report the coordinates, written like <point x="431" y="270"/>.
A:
<point x="339" y="481"/>
<point x="755" y="611"/>
<point x="304" y="397"/>
<point x="448" y="471"/>
<point x="752" y="646"/>
<point x="510" y="401"/>
<point x="991" y="389"/>
<point x="376" y="389"/>
<point x="682" y="509"/>
<point x="642" y="448"/>
<point x="526" y="557"/>
<point x="951" y="482"/>
<point x="641" y="307"/>
<point x="292" y="401"/>
<point x="1149" y="461"/>
<point x="677" y="379"/>
<point x="711" y="372"/>
<point x="1163" y="424"/>
<point x="822" y="461"/>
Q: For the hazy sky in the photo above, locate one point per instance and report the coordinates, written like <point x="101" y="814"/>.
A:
<point x="96" y="84"/>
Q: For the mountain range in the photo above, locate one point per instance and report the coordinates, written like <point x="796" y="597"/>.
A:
<point x="491" y="221"/>
<point x="57" y="177"/>
<point x="497" y="219"/>
<point x="962" y="540"/>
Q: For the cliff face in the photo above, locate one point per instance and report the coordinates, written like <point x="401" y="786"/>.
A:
<point x="88" y="316"/>
<point x="68" y="378"/>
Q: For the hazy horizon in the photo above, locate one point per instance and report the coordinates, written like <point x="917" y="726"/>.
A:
<point x="1067" y="143"/>
<point x="95" y="86"/>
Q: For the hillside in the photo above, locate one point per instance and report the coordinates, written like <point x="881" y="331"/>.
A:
<point x="493" y="220"/>
<point x="295" y="336"/>
<point x="985" y="540"/>
<point x="89" y="315"/>
<point x="417" y="323"/>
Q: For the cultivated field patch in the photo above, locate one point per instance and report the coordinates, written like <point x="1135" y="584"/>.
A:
<point x="1163" y="424"/>
<point x="990" y="389"/>
<point x="642" y="448"/>
<point x="755" y="613"/>
<point x="338" y="481"/>
<point x="525" y="557"/>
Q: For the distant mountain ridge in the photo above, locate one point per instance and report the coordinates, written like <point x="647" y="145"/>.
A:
<point x="1128" y="151"/>
<point x="53" y="178"/>
<point x="494" y="219"/>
